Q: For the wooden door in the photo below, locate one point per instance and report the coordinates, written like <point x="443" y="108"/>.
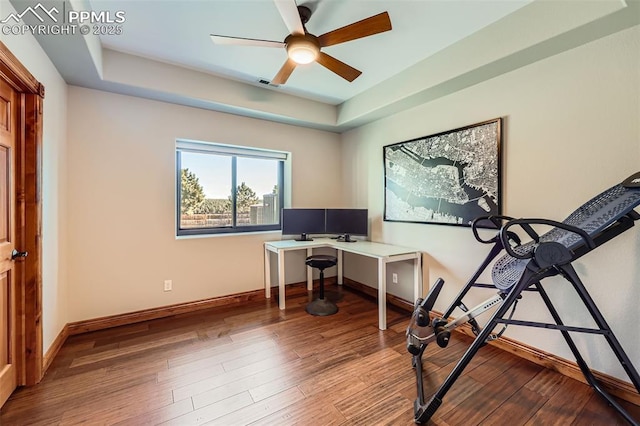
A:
<point x="9" y="100"/>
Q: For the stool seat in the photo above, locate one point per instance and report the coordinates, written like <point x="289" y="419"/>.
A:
<point x="321" y="306"/>
<point x="321" y="261"/>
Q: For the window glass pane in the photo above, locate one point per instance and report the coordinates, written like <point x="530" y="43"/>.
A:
<point x="257" y="192"/>
<point x="212" y="177"/>
<point x="205" y="191"/>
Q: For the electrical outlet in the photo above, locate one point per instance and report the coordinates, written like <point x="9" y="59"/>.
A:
<point x="168" y="285"/>
<point x="394" y="278"/>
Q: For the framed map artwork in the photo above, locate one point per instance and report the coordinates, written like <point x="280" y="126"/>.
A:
<point x="448" y="178"/>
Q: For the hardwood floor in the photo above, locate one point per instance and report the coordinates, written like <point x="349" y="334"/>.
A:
<point x="254" y="364"/>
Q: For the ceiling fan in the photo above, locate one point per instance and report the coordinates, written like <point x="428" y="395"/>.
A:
<point x="303" y="47"/>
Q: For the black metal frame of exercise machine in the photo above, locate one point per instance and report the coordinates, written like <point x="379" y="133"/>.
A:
<point x="545" y="256"/>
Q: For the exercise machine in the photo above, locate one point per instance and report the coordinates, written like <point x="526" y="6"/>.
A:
<point x="523" y="267"/>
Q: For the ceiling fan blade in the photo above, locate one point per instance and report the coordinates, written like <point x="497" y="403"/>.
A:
<point x="284" y="73"/>
<point x="373" y="25"/>
<point x="289" y="11"/>
<point x="343" y="70"/>
<point x="219" y="39"/>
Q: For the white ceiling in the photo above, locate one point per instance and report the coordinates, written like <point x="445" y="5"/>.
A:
<point x="177" y="32"/>
<point x="436" y="48"/>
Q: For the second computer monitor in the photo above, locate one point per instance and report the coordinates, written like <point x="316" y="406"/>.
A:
<point x="347" y="222"/>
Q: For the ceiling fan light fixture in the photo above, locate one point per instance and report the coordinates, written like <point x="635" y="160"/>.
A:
<point x="302" y="49"/>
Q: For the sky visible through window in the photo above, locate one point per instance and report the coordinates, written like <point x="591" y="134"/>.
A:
<point x="214" y="173"/>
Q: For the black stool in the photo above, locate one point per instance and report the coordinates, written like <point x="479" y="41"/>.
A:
<point x="321" y="306"/>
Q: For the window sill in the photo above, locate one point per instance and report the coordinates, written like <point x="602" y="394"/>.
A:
<point x="227" y="234"/>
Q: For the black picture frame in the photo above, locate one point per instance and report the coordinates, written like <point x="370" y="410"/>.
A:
<point x="448" y="178"/>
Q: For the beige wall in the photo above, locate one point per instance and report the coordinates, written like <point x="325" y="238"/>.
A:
<point x="571" y="129"/>
<point x="122" y="202"/>
<point x="54" y="194"/>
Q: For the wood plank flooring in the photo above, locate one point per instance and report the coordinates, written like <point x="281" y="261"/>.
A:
<point x="252" y="364"/>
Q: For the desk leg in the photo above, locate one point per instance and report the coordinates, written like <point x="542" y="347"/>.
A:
<point x="281" y="279"/>
<point x="267" y="274"/>
<point x="417" y="278"/>
<point x="309" y="272"/>
<point x="339" y="255"/>
<point x="382" y="294"/>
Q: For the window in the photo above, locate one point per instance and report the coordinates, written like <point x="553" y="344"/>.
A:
<point x="228" y="189"/>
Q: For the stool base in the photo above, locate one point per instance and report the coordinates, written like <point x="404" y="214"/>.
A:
<point x="321" y="307"/>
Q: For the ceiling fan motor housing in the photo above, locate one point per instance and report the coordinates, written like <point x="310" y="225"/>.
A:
<point x="305" y="14"/>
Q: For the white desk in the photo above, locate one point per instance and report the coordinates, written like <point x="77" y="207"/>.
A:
<point x="385" y="253"/>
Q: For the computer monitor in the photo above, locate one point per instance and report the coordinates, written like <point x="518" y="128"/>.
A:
<point x="303" y="222"/>
<point x="347" y="222"/>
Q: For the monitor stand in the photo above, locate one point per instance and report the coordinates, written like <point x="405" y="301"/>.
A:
<point x="304" y="237"/>
<point x="346" y="238"/>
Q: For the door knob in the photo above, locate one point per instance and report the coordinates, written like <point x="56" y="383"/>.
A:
<point x="16" y="254"/>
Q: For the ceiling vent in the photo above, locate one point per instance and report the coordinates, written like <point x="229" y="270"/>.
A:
<point x="267" y="82"/>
